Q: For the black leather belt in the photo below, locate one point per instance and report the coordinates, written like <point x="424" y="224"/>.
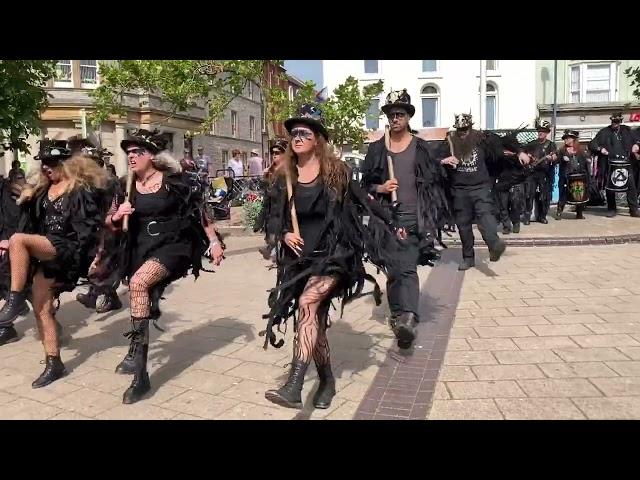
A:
<point x="155" y="228"/>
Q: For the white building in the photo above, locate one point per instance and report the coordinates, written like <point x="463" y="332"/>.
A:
<point x="439" y="89"/>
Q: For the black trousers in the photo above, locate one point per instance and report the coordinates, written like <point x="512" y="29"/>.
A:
<point x="475" y="203"/>
<point x="538" y="190"/>
<point x="403" y="286"/>
<point x="632" y="192"/>
<point x="511" y="203"/>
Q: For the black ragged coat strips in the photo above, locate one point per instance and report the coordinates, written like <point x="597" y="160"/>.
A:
<point x="346" y="243"/>
<point x="431" y="182"/>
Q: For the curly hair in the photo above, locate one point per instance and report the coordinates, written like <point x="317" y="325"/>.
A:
<point x="334" y="172"/>
<point x="79" y="170"/>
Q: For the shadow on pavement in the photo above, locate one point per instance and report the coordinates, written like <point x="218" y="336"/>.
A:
<point x="189" y="346"/>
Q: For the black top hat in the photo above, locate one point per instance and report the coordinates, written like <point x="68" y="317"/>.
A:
<point x="568" y="133"/>
<point x="154" y="142"/>
<point x="616" y="117"/>
<point x="281" y="145"/>
<point x="399" y="98"/>
<point x="464" y="120"/>
<point x="53" y="150"/>
<point x="311" y="116"/>
<point x="542" y="125"/>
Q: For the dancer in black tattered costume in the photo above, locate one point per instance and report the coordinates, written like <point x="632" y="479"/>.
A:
<point x="59" y="225"/>
<point x="323" y="261"/>
<point x="102" y="296"/>
<point x="168" y="235"/>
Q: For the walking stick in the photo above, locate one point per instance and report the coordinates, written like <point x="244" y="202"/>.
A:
<point x="131" y="180"/>
<point x="394" y="194"/>
<point x="294" y="217"/>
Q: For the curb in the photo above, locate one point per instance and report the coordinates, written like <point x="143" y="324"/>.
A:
<point x="557" y="241"/>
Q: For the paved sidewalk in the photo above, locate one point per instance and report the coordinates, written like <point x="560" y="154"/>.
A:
<point x="546" y="333"/>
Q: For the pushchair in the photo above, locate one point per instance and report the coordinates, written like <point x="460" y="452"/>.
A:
<point x="219" y="195"/>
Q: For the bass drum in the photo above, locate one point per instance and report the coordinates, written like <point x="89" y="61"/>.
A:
<point x="577" y="189"/>
<point x="618" y="174"/>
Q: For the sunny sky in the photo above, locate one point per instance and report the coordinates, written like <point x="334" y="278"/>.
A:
<point x="306" y="70"/>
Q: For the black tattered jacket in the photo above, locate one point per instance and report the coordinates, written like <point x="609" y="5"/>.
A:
<point x="433" y="207"/>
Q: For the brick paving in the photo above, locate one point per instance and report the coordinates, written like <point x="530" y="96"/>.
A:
<point x="545" y="333"/>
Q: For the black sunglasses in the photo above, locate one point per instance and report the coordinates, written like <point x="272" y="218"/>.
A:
<point x="393" y="115"/>
<point x="137" y="151"/>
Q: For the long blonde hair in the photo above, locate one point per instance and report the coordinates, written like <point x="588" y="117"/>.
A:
<point x="333" y="171"/>
<point x="80" y="172"/>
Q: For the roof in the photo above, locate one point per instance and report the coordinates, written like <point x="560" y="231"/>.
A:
<point x="294" y="79"/>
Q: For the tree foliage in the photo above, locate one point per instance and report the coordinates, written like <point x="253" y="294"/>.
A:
<point x="22" y="99"/>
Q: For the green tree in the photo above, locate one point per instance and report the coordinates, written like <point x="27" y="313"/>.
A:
<point x="22" y="99"/>
<point x="634" y="75"/>
<point x="181" y="84"/>
<point x="344" y="111"/>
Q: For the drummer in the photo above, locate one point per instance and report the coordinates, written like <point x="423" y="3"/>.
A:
<point x="617" y="141"/>
<point x="573" y="161"/>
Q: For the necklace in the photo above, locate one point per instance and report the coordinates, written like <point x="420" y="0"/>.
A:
<point x="144" y="181"/>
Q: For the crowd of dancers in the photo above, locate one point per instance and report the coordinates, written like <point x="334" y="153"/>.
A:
<point x="150" y="228"/>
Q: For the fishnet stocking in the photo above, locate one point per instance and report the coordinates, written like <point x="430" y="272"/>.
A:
<point x="22" y="247"/>
<point x="310" y="333"/>
<point x="149" y="274"/>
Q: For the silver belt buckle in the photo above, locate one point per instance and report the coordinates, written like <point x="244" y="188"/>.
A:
<point x="149" y="232"/>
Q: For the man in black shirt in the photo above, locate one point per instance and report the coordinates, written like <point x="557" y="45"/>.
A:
<point x="619" y="141"/>
<point x="417" y="181"/>
<point x="538" y="184"/>
<point x="468" y="152"/>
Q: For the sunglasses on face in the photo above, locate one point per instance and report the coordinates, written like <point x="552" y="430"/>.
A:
<point x="136" y="151"/>
<point x="302" y="133"/>
<point x="393" y="115"/>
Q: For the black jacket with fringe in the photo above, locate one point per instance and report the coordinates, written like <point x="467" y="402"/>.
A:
<point x="434" y="207"/>
<point x="347" y="243"/>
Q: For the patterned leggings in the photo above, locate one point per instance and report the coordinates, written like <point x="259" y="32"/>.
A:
<point x="149" y="274"/>
<point x="311" y="335"/>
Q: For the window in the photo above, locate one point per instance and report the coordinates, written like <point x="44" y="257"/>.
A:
<point x="429" y="65"/>
<point x="492" y="65"/>
<point x="214" y="128"/>
<point x="592" y="82"/>
<point x="371" y="66"/>
<point x="88" y="73"/>
<point x="63" y="73"/>
<point x="430" y="97"/>
<point x="373" y="115"/>
<point x="250" y="88"/>
<point x="291" y="93"/>
<point x="234" y="123"/>
<point x="492" y="106"/>
<point x="264" y="120"/>
<point x="225" y="159"/>
<point x="252" y="128"/>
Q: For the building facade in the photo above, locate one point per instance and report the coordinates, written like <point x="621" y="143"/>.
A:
<point x="241" y="127"/>
<point x="439" y="89"/>
<point x="587" y="93"/>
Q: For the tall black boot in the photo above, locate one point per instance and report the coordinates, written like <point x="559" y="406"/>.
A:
<point x="53" y="371"/>
<point x="140" y="384"/>
<point x="327" y="388"/>
<point x="128" y="364"/>
<point x="88" y="299"/>
<point x="15" y="306"/>
<point x="290" y="394"/>
<point x="404" y="328"/>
